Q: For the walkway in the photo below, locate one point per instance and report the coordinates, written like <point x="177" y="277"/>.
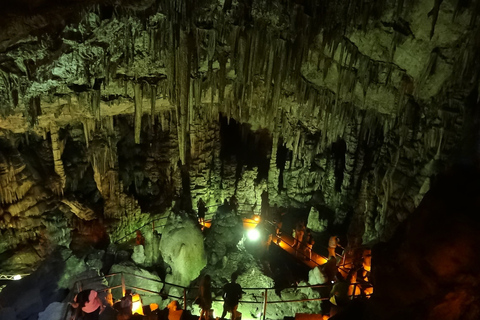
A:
<point x="286" y="243"/>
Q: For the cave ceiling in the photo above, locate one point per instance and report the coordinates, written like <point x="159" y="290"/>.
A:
<point x="112" y="111"/>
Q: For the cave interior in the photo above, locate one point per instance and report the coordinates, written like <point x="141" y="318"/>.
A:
<point x="119" y="119"/>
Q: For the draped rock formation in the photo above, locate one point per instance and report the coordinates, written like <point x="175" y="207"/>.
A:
<point x="116" y="110"/>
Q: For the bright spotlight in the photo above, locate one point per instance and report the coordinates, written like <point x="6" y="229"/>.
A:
<point x="17" y="277"/>
<point x="253" y="234"/>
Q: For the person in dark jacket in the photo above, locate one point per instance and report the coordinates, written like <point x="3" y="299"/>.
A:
<point x="232" y="292"/>
<point x="89" y="304"/>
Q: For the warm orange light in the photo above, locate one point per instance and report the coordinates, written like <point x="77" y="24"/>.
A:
<point x="256" y="218"/>
<point x="137" y="304"/>
<point x="369" y="291"/>
<point x="153" y="306"/>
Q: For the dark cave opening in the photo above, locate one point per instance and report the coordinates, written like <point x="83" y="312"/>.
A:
<point x="80" y="183"/>
<point x="36" y="152"/>
<point x="248" y="148"/>
<point x="152" y="187"/>
<point x="283" y="155"/>
<point x="339" y="148"/>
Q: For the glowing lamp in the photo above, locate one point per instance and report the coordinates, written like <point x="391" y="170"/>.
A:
<point x="137" y="304"/>
<point x="256" y="218"/>
<point x="253" y="234"/>
<point x="17" y="277"/>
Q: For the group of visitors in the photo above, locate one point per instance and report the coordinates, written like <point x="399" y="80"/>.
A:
<point x="88" y="306"/>
<point x="301" y="243"/>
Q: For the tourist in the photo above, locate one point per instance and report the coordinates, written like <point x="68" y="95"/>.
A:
<point x="205" y="297"/>
<point x="300" y="232"/>
<point x="140" y="239"/>
<point x="232" y="292"/>
<point x="88" y="304"/>
<point x="126" y="304"/>
<point x="309" y="246"/>
<point x="329" y="269"/>
<point x="333" y="243"/>
<point x="202" y="209"/>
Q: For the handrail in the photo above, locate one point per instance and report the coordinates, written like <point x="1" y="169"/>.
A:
<point x="146" y="224"/>
<point x="165" y="217"/>
<point x="264" y="295"/>
<point x="264" y="289"/>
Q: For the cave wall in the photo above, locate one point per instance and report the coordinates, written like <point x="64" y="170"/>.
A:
<point x="113" y="112"/>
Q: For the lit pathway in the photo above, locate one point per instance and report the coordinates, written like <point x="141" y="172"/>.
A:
<point x="286" y="243"/>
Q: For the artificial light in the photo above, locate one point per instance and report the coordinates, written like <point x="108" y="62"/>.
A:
<point x="253" y="234"/>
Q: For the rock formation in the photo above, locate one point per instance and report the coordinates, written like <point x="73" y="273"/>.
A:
<point x="113" y="112"/>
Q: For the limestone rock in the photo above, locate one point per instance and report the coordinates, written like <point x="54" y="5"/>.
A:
<point x="314" y="222"/>
<point x="224" y="235"/>
<point x="54" y="311"/>
<point x="315" y="276"/>
<point x="182" y="249"/>
<point x="138" y="255"/>
<point x="130" y="271"/>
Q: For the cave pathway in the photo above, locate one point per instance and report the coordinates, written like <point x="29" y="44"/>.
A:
<point x="286" y="242"/>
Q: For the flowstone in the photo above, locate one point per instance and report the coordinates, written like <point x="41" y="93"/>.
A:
<point x="138" y="255"/>
<point x="314" y="222"/>
<point x="182" y="249"/>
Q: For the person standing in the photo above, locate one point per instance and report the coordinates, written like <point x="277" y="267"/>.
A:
<point x="232" y="292"/>
<point x="300" y="232"/>
<point x="309" y="246"/>
<point x="201" y="211"/>
<point x="205" y="297"/>
<point x="89" y="304"/>
<point x="126" y="304"/>
<point x="294" y="236"/>
<point x="333" y="243"/>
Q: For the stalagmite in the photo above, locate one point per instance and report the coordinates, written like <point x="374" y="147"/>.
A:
<point x="307" y="73"/>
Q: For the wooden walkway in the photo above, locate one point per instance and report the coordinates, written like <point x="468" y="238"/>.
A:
<point x="286" y="242"/>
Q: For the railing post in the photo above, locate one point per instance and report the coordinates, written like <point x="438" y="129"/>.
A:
<point x="185" y="299"/>
<point x="265" y="304"/>
<point x="123" y="285"/>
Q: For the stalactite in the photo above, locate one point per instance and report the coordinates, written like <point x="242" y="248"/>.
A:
<point x="88" y="127"/>
<point x="183" y="83"/>
<point x="138" y="111"/>
<point x="95" y="103"/>
<point x="153" y="102"/>
<point x="34" y="110"/>
<point x="57" y="150"/>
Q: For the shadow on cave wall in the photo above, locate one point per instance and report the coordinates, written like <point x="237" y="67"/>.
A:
<point x="245" y="147"/>
<point x="151" y="185"/>
<point x="31" y="295"/>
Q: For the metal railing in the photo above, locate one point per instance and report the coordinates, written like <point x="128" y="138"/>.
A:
<point x="78" y="286"/>
<point x="154" y="227"/>
<point x="13" y="276"/>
